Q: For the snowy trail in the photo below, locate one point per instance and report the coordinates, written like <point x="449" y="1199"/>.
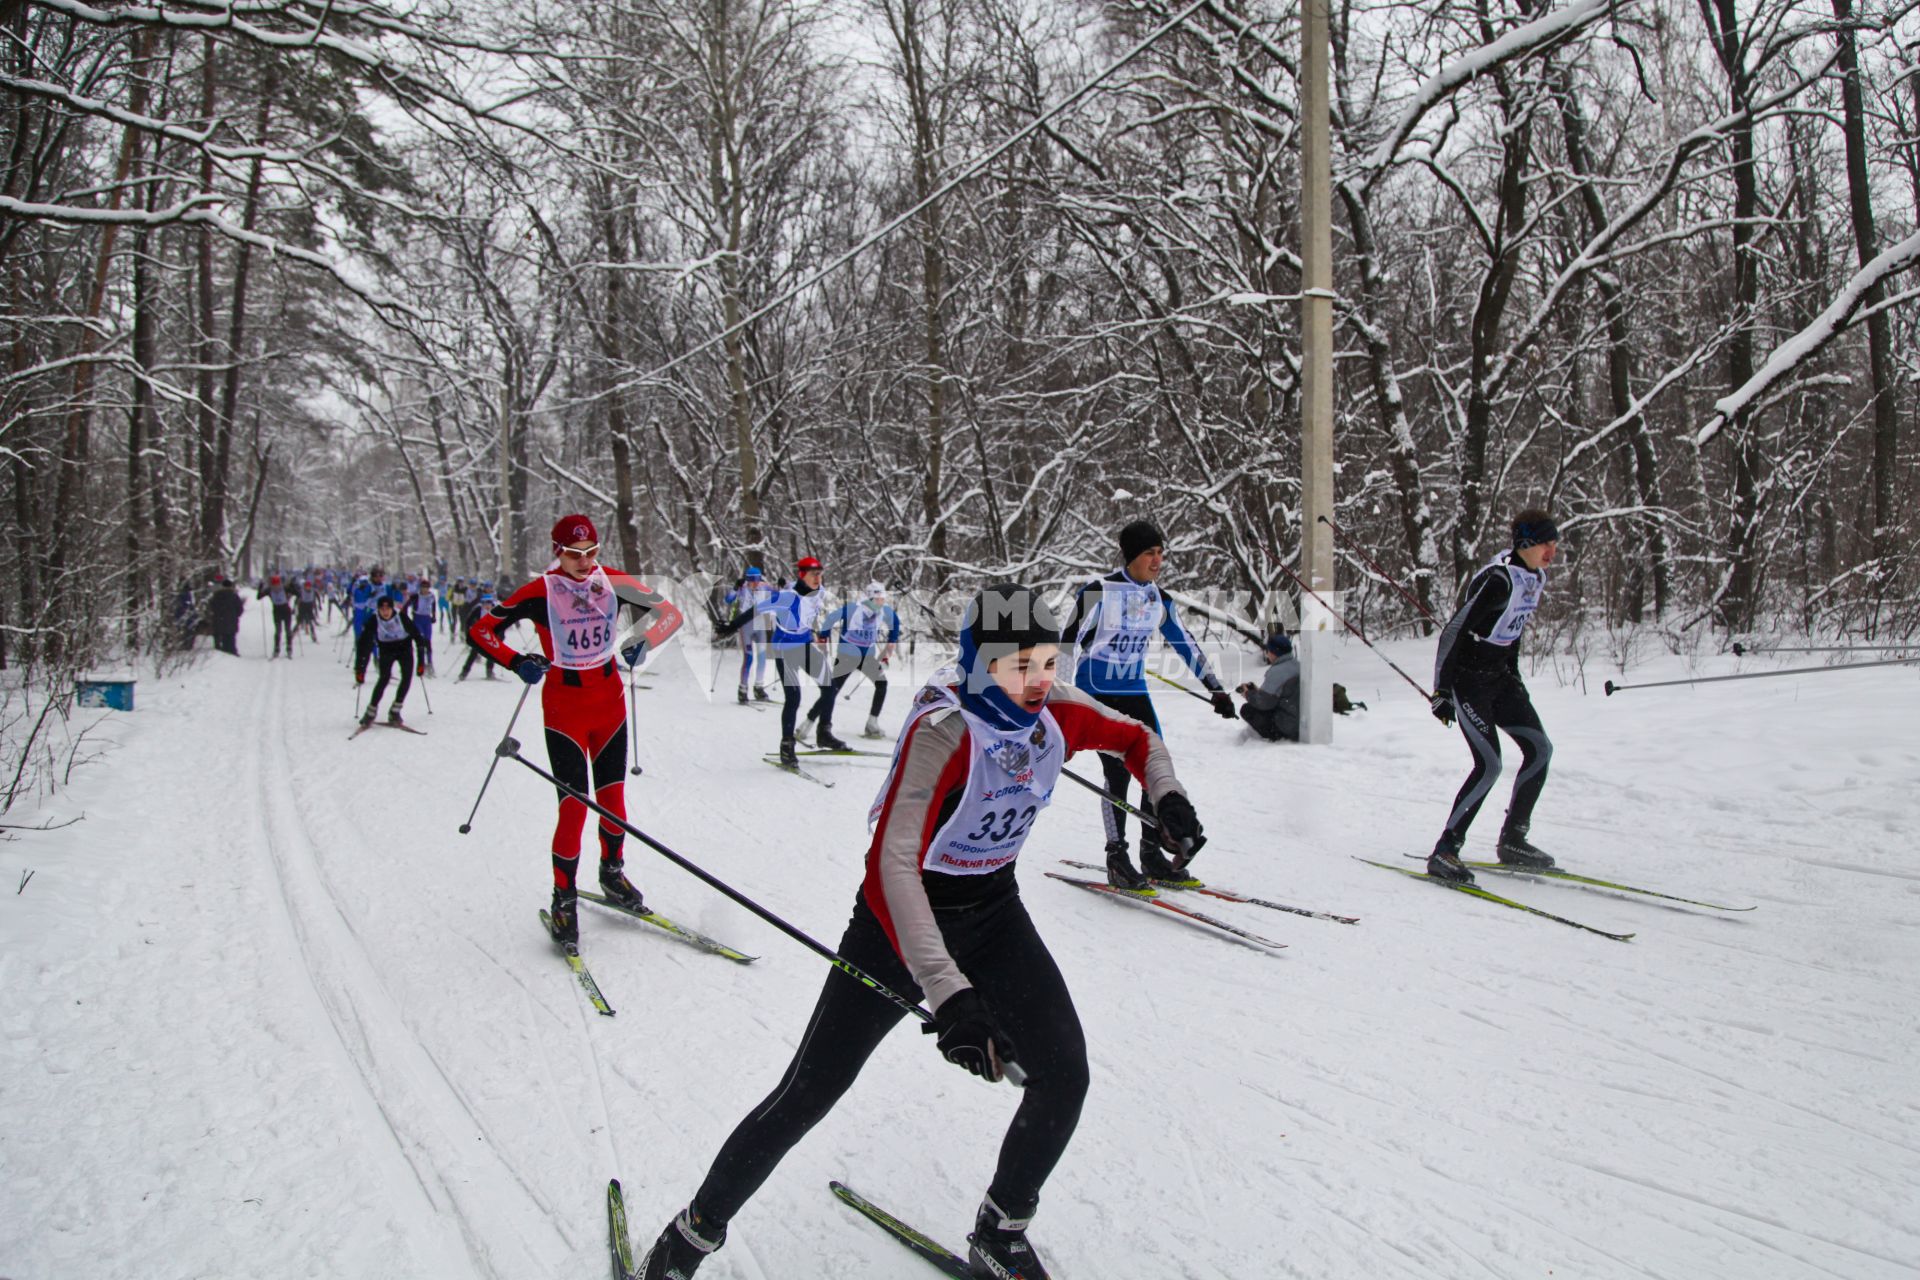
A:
<point x="265" y="1012"/>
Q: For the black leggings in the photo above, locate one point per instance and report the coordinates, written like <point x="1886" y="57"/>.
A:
<point x="845" y="662"/>
<point x="1114" y="769"/>
<point x="401" y="651"/>
<point x="1484" y="705"/>
<point x="996" y="946"/>
<point x="792" y="659"/>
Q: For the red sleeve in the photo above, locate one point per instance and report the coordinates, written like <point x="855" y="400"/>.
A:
<point x="528" y="604"/>
<point x="664" y="617"/>
<point x="1089" y="726"/>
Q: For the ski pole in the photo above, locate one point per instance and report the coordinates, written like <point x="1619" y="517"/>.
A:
<point x="1182" y="688"/>
<point x="1613" y="688"/>
<point x="358" y="689"/>
<point x="1356" y="631"/>
<point x="1740" y="650"/>
<point x="467" y="826"/>
<point x="509" y="749"/>
<point x="1111" y="798"/>
<point x="420" y="678"/>
<point x="633" y="722"/>
<point x="1374" y="565"/>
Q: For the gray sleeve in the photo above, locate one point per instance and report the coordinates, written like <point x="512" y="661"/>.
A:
<point x="936" y="738"/>
<point x="1273" y="685"/>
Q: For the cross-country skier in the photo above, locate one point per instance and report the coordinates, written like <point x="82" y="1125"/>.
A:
<point x="748" y="597"/>
<point x="799" y="647"/>
<point x="1113" y="621"/>
<point x="391" y="634"/>
<point x="368" y="588"/>
<point x="425" y="607"/>
<point x="1476" y="677"/>
<point x="939" y="916"/>
<point x="869" y="635"/>
<point x="307" y="611"/>
<point x="482" y="601"/>
<point x="275" y="589"/>
<point x="574" y="606"/>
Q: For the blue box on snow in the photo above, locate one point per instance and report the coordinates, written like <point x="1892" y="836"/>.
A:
<point x="112" y="692"/>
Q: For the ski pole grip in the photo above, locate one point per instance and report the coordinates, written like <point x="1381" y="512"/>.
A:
<point x="1609" y="687"/>
<point x="1014" y="1075"/>
<point x="508" y="747"/>
<point x="1738" y="649"/>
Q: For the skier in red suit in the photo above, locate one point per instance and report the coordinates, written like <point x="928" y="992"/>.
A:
<point x="575" y="606"/>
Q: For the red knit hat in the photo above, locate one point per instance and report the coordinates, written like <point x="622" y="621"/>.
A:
<point x="574" y="528"/>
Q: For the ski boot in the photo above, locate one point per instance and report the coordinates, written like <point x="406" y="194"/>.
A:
<point x="619" y="890"/>
<point x="1444" y="862"/>
<point x="761" y="695"/>
<point x="1120" y="872"/>
<point x="1516" y="851"/>
<point x="825" y="740"/>
<point x="873" y="729"/>
<point x="999" y="1249"/>
<point x="807" y="729"/>
<point x="788" y="756"/>
<point x="682" y="1247"/>
<point x="1154" y="864"/>
<point x="743" y="696"/>
<point x="366" y="721"/>
<point x="393" y="716"/>
<point x="565" y="915"/>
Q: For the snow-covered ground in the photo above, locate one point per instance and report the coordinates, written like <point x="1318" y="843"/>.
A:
<point x="266" y="1014"/>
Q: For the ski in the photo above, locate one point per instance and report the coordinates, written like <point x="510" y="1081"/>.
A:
<point x="1229" y="895"/>
<point x="945" y="1260"/>
<point x="579" y="967"/>
<point x="618" y="1241"/>
<point x="679" y="931"/>
<point x="1555" y="873"/>
<point x="850" y="751"/>
<point x="1211" y="922"/>
<point x="1475" y="891"/>
<point x="796" y="771"/>
<point x="382" y="724"/>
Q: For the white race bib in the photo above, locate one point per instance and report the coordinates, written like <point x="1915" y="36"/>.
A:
<point x="581" y="618"/>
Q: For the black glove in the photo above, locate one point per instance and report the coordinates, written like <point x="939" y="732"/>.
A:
<point x="635" y="653"/>
<point x="969" y="1036"/>
<point x="1442" y="704"/>
<point x="1223" y="705"/>
<point x="728" y="629"/>
<point x="531" y="667"/>
<point x="1180" y="831"/>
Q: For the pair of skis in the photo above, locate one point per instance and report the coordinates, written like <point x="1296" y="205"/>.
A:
<point x="815" y="778"/>
<point x="1148" y="898"/>
<point x="1228" y="895"/>
<point x="571" y="951"/>
<point x="384" y="724"/>
<point x="1554" y="874"/>
<point x="943" y="1259"/>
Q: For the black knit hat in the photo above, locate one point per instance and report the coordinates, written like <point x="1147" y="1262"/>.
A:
<point x="1533" y="527"/>
<point x="1141" y="535"/>
<point x="1007" y="617"/>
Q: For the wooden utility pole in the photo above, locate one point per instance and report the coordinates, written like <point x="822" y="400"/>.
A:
<point x="1316" y="380"/>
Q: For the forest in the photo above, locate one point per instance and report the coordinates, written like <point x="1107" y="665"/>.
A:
<point x="940" y="290"/>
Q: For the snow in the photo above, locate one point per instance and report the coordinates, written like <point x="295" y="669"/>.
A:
<point x="266" y="1013"/>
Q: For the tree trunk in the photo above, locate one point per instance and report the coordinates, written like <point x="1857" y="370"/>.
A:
<point x="78" y="442"/>
<point x="1739" y="598"/>
<point x="1646" y="468"/>
<point x="204" y="348"/>
<point x="611" y="327"/>
<point x="1886" y="422"/>
<point x="214" y="514"/>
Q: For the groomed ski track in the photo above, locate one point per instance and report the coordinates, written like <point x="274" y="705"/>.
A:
<point x="266" y="1012"/>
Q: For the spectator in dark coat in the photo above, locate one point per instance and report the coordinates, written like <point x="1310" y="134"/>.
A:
<point x="223" y="617"/>
<point x="1272" y="708"/>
